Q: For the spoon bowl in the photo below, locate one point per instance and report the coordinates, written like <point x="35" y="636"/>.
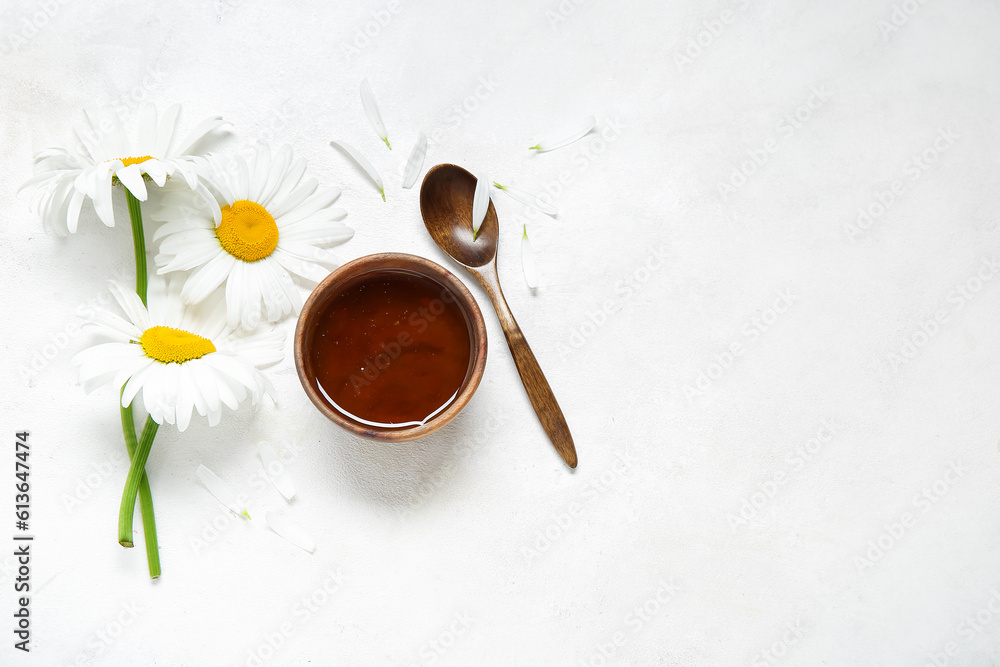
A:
<point x="446" y="199"/>
<point x="446" y="205"/>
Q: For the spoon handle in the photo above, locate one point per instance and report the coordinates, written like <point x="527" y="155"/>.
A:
<point x="535" y="384"/>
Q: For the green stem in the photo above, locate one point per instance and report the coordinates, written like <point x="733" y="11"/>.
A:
<point x="137" y="480"/>
<point x="135" y="474"/>
<point x="139" y="241"/>
<point x="145" y="498"/>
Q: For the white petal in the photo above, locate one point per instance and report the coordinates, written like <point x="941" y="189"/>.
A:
<point x="221" y="491"/>
<point x="528" y="261"/>
<point x="313" y="204"/>
<point x="198" y="133"/>
<point x="136" y="382"/>
<point x="208" y="384"/>
<point x="288" y="287"/>
<point x="480" y="202"/>
<point x="275" y="470"/>
<point x="526" y="198"/>
<point x="180" y="224"/>
<point x="289" y="531"/>
<point x="168" y="125"/>
<point x="230" y="391"/>
<point x="197" y="394"/>
<point x="109" y="131"/>
<point x="300" y="265"/>
<point x="263" y="388"/>
<point x="161" y="393"/>
<point x="138" y="362"/>
<point x="163" y="297"/>
<point x="239" y="177"/>
<point x="101" y="354"/>
<point x="88" y="138"/>
<point x="260" y="348"/>
<point x="259" y="171"/>
<point x="219" y="185"/>
<point x="315" y="233"/>
<point x="415" y="163"/>
<point x="41" y="177"/>
<point x="73" y="214"/>
<point x="291" y="179"/>
<point x="363" y="161"/>
<point x="207" y="278"/>
<point x="187" y="250"/>
<point x="118" y="328"/>
<point x="131" y="304"/>
<point x="183" y="167"/>
<point x="275" y="303"/>
<point x="234" y="295"/>
<point x="208" y="199"/>
<point x="276" y="174"/>
<point x="92" y="383"/>
<point x="131" y="178"/>
<point x="109" y="362"/>
<point x="232" y="367"/>
<point x="251" y="297"/>
<point x="185" y="396"/>
<point x="207" y="318"/>
<point x="566" y="136"/>
<point x="153" y="401"/>
<point x="154" y="169"/>
<point x="371" y="110"/>
<point x="282" y="206"/>
<point x="102" y="197"/>
<point x="146" y="143"/>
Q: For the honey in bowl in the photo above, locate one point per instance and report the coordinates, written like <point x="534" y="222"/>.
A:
<point x="391" y="349"/>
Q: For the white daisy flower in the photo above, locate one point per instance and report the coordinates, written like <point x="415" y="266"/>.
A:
<point x="103" y="155"/>
<point x="182" y="359"/>
<point x="272" y="224"/>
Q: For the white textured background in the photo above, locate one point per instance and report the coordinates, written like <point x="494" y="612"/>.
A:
<point x="477" y="546"/>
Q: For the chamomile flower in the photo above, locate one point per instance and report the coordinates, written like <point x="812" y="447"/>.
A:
<point x="272" y="225"/>
<point x="181" y="359"/>
<point x="103" y="156"/>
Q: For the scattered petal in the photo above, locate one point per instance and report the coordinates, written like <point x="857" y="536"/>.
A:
<point x="221" y="491"/>
<point x="363" y="161"/>
<point x="480" y="204"/>
<point x="415" y="162"/>
<point x="371" y="110"/>
<point x="526" y="198"/>
<point x="528" y="261"/>
<point x="567" y="136"/>
<point x="289" y="531"/>
<point x="275" y="470"/>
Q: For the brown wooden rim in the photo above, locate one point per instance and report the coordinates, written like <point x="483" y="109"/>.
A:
<point x="401" y="261"/>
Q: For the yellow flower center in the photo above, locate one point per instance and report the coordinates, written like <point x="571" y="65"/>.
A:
<point x="126" y="161"/>
<point x="248" y="232"/>
<point x="173" y="346"/>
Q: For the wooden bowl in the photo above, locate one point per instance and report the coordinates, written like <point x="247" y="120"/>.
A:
<point x="333" y="284"/>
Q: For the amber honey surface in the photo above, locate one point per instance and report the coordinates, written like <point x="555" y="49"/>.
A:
<point x="391" y="349"/>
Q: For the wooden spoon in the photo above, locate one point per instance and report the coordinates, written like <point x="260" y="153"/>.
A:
<point x="446" y="206"/>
